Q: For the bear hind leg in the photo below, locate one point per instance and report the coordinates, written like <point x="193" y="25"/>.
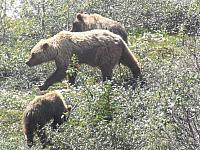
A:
<point x="133" y="66"/>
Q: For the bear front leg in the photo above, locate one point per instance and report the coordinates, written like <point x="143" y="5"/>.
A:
<point x="106" y="72"/>
<point x="73" y="74"/>
<point x="43" y="139"/>
<point x="54" y="125"/>
<point x="57" y="76"/>
<point x="72" y="78"/>
<point x="58" y="120"/>
<point x="29" y="139"/>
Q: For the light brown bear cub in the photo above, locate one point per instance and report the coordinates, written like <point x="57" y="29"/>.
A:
<point x="97" y="48"/>
<point x="86" y="22"/>
<point x="41" y="110"/>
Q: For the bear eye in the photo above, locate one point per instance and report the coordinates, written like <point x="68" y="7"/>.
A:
<point x="33" y="54"/>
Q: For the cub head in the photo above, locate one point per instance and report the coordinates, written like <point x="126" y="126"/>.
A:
<point x="67" y="110"/>
<point x="41" y="52"/>
<point x="81" y="22"/>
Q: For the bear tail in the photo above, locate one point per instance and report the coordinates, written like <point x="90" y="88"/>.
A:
<point x="129" y="60"/>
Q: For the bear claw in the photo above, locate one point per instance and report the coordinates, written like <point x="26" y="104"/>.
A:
<point x="42" y="88"/>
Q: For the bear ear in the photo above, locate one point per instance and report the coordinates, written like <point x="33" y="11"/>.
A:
<point x="45" y="46"/>
<point x="83" y="12"/>
<point x="79" y="17"/>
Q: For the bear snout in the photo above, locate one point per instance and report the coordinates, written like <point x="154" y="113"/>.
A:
<point x="29" y="63"/>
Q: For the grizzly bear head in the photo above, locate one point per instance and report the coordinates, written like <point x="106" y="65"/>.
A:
<point x="41" y="52"/>
<point x="82" y="22"/>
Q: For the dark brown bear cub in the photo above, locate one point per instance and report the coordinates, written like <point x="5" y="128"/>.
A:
<point x="86" y="22"/>
<point x="41" y="110"/>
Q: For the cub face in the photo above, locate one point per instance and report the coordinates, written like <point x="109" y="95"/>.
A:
<point x="79" y="25"/>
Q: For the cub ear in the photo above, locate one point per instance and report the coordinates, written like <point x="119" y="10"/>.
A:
<point x="83" y="12"/>
<point x="45" y="46"/>
<point x="79" y="17"/>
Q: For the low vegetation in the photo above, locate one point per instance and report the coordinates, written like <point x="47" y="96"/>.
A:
<point x="117" y="114"/>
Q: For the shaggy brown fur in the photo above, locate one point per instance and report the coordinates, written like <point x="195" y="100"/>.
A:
<point x="41" y="110"/>
<point x="97" y="48"/>
<point x="86" y="22"/>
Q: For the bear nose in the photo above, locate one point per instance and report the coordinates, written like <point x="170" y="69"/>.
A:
<point x="27" y="63"/>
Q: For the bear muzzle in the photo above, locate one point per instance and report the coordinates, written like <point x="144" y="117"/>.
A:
<point x="29" y="63"/>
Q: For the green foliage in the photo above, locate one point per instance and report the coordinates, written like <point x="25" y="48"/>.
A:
<point x="164" y="114"/>
<point x="73" y="67"/>
<point x="104" y="108"/>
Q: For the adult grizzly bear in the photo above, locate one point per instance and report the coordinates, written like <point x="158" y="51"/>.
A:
<point x="97" y="48"/>
<point x="86" y="22"/>
<point x="41" y="110"/>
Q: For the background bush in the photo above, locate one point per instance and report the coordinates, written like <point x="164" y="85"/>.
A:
<point x="164" y="114"/>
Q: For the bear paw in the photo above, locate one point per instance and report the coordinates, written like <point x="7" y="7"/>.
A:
<point x="43" y="87"/>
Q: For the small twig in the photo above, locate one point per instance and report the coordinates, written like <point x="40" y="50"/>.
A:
<point x="196" y="61"/>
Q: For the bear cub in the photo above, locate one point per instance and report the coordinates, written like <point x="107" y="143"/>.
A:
<point x="40" y="111"/>
<point x="86" y="22"/>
